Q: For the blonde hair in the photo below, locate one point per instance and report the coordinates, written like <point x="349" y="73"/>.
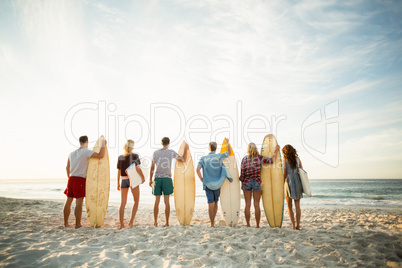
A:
<point x="252" y="150"/>
<point x="129" y="146"/>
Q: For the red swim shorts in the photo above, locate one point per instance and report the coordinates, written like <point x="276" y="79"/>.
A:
<point x="75" y="187"/>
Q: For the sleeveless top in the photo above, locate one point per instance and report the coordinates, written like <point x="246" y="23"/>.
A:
<point x="293" y="185"/>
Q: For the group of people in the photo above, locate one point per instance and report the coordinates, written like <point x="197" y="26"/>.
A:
<point x="212" y="176"/>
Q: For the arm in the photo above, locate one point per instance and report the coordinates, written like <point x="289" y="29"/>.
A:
<point x="275" y="153"/>
<point x="102" y="151"/>
<point x="118" y="179"/>
<point x="68" y="168"/>
<point x="137" y="167"/>
<point x="284" y="171"/>
<point x="184" y="156"/>
<point x="229" y="147"/>
<point x="151" y="173"/>
<point x="242" y="171"/>
<point x="199" y="173"/>
<point x="301" y="165"/>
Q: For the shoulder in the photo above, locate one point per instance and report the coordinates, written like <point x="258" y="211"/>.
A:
<point x="88" y="151"/>
<point x="135" y="156"/>
<point x="202" y="159"/>
<point x="172" y="151"/>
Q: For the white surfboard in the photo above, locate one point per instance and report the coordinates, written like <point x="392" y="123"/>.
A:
<point x="134" y="176"/>
<point x="305" y="182"/>
<point x="230" y="191"/>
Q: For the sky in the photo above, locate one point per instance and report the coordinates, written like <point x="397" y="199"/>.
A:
<point x="323" y="76"/>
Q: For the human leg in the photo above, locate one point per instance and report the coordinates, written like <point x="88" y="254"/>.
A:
<point x="247" y="199"/>
<point x="215" y="209"/>
<point x="136" y="196"/>
<point x="123" y="195"/>
<point x="157" y="192"/>
<point x="78" y="211"/>
<point x="167" y="209"/>
<point x="212" y="199"/>
<point x="67" y="210"/>
<point x="298" y="214"/>
<point x="290" y="210"/>
<point x="156" y="209"/>
<point x="211" y="212"/>
<point x="257" y="210"/>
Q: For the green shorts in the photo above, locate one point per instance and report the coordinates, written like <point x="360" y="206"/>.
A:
<point x="163" y="186"/>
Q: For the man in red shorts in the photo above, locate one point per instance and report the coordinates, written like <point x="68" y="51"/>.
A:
<point x="77" y="171"/>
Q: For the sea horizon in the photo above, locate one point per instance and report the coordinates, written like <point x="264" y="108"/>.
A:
<point x="325" y="192"/>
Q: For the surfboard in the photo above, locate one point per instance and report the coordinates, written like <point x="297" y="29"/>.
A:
<point x="230" y="191"/>
<point x="134" y="176"/>
<point x="97" y="186"/>
<point x="184" y="187"/>
<point x="305" y="182"/>
<point x="272" y="183"/>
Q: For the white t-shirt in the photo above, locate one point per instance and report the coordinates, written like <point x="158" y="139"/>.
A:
<point x="79" y="162"/>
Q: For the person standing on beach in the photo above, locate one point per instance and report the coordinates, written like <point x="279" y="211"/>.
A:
<point x="293" y="186"/>
<point x="77" y="172"/>
<point x="123" y="162"/>
<point x="163" y="184"/>
<point x="213" y="177"/>
<point x="250" y="177"/>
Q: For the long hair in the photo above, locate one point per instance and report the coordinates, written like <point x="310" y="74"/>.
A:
<point x="290" y="154"/>
<point x="252" y="150"/>
<point x="129" y="146"/>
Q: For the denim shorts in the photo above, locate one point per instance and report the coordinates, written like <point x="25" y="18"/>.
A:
<point x="252" y="185"/>
<point x="125" y="183"/>
<point x="212" y="195"/>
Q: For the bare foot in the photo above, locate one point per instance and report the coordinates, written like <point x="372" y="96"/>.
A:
<point x="166" y="225"/>
<point x="257" y="226"/>
<point x="78" y="226"/>
<point x="298" y="228"/>
<point x="248" y="225"/>
<point x="122" y="227"/>
<point x="155" y="224"/>
<point x="130" y="225"/>
<point x="66" y="225"/>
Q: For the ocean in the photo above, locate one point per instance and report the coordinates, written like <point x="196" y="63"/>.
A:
<point x="361" y="192"/>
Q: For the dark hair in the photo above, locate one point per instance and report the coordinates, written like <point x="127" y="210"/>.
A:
<point x="165" y="141"/>
<point x="290" y="154"/>
<point x="83" y="139"/>
<point x="212" y="146"/>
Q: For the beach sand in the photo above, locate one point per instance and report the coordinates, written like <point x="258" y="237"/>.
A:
<point x="32" y="235"/>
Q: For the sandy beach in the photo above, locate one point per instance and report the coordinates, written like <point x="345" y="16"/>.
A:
<point x="32" y="235"/>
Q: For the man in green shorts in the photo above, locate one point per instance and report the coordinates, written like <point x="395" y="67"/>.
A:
<point x="163" y="184"/>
